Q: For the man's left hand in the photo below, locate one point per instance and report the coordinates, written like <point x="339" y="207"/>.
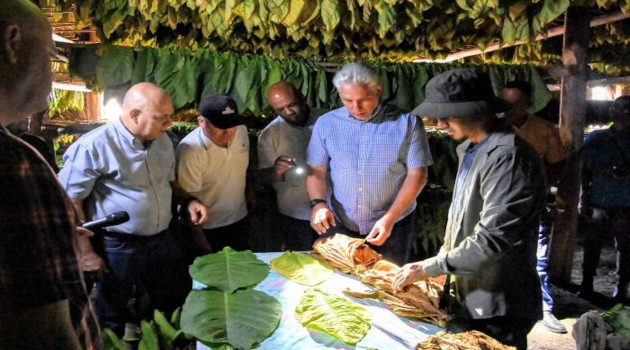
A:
<point x="380" y="232"/>
<point x="198" y="212"/>
<point x="408" y="274"/>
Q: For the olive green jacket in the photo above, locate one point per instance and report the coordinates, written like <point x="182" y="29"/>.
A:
<point x="491" y="234"/>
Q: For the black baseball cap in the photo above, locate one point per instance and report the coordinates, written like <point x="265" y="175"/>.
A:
<point x="221" y="111"/>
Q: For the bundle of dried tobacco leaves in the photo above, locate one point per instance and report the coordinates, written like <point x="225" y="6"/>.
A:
<point x="353" y="255"/>
<point x="471" y="340"/>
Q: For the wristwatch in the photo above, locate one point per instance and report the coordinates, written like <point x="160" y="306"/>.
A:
<point x="316" y="201"/>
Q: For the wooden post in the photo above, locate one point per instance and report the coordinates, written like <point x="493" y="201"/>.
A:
<point x="572" y="115"/>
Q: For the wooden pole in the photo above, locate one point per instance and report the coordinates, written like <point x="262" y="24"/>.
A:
<point x="555" y="31"/>
<point x="572" y="115"/>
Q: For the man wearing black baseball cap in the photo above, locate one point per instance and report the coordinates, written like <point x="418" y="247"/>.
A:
<point x="489" y="251"/>
<point x="212" y="163"/>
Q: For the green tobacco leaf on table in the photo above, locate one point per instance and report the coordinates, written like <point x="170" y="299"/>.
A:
<point x="229" y="270"/>
<point x="301" y="268"/>
<point x="242" y="319"/>
<point x="335" y="315"/>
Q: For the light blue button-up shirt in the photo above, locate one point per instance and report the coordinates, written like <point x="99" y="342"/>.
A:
<point x="112" y="171"/>
<point x="368" y="161"/>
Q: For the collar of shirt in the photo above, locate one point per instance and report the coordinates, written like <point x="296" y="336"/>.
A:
<point x="525" y="124"/>
<point x="207" y="143"/>
<point x="378" y="112"/>
<point x="474" y="147"/>
<point x="133" y="140"/>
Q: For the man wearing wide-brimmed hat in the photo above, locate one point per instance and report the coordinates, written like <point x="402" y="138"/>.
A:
<point x="489" y="250"/>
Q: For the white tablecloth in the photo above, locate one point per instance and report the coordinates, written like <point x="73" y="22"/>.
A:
<point x="388" y="332"/>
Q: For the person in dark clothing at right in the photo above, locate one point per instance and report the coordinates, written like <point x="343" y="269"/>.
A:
<point x="605" y="197"/>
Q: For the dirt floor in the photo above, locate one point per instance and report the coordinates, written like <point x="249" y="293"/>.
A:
<point x="568" y="306"/>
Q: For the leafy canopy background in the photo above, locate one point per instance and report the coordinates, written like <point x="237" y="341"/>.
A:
<point x="189" y="75"/>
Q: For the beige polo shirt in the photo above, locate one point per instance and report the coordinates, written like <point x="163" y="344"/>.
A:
<point x="215" y="175"/>
<point x="281" y="138"/>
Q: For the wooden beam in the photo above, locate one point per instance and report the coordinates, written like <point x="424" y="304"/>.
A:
<point x="559" y="71"/>
<point x="555" y="31"/>
<point x="609" y="81"/>
<point x="572" y="115"/>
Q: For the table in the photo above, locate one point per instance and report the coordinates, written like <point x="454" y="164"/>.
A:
<point x="389" y="331"/>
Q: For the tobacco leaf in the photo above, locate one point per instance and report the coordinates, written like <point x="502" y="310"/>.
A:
<point x="301" y="268"/>
<point x="335" y="315"/>
<point x="242" y="319"/>
<point x="229" y="270"/>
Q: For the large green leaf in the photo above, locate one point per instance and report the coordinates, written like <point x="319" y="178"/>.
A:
<point x="242" y="319"/>
<point x="115" y="66"/>
<point x="176" y="73"/>
<point x="301" y="268"/>
<point x="335" y="315"/>
<point x="144" y="66"/>
<point x="229" y="270"/>
<point x="149" y="339"/>
<point x="111" y="341"/>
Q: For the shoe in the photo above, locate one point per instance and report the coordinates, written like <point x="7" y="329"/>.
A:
<point x="552" y="324"/>
<point x="619" y="294"/>
<point x="586" y="290"/>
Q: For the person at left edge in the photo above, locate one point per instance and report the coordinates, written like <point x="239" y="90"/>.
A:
<point x="129" y="165"/>
<point x="43" y="300"/>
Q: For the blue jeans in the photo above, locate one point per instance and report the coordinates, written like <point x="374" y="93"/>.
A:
<point x="397" y="248"/>
<point x="542" y="253"/>
<point x="145" y="273"/>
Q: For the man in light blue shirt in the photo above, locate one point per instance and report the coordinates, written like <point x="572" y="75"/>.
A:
<point x="129" y="165"/>
<point x="377" y="157"/>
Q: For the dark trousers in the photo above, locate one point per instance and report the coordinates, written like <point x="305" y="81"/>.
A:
<point x="294" y="234"/>
<point x="608" y="223"/>
<point x="235" y="236"/>
<point x="145" y="273"/>
<point x="397" y="248"/>
<point x="508" y="330"/>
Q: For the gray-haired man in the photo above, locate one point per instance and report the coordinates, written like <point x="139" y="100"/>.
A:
<point x="377" y="157"/>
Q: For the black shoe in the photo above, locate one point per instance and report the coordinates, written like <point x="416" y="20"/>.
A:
<point x="586" y="291"/>
<point x="619" y="294"/>
<point x="552" y="324"/>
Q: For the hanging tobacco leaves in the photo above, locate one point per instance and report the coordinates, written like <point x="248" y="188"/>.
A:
<point x="189" y="75"/>
<point x="330" y="29"/>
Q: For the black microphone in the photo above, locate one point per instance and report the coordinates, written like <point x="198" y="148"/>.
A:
<point x="116" y="218"/>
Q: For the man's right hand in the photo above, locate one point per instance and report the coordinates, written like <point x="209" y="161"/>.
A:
<point x="322" y="218"/>
<point x="90" y="261"/>
<point x="281" y="165"/>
